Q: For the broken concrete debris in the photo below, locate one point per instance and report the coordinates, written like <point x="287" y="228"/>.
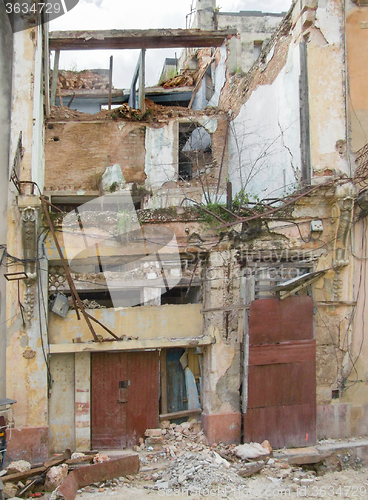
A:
<point x="179" y="465"/>
<point x="18" y="466"/>
<point x="253" y="450"/>
<point x="55" y="476"/>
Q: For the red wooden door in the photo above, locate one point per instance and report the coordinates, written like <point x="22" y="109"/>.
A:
<point x="282" y="373"/>
<point x="125" y="394"/>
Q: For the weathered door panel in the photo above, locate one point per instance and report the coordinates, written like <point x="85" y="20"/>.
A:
<point x="290" y="426"/>
<point x="125" y="395"/>
<point x="108" y="413"/>
<point x="282" y="373"/>
<point x="274" y="320"/>
<point x="143" y="401"/>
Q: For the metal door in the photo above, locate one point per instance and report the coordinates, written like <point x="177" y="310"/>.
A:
<point x="282" y="373"/>
<point x="125" y="393"/>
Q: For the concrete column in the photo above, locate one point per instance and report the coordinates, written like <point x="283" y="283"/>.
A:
<point x="221" y="418"/>
<point x="152" y="296"/>
<point x="204" y="18"/>
<point x="83" y="401"/>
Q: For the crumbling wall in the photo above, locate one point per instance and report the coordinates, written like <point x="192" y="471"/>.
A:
<point x="254" y="28"/>
<point x="325" y="58"/>
<point x="222" y="361"/>
<point x="26" y="333"/>
<point x="78" y="153"/>
<point x="287" y="130"/>
<point x="264" y="143"/>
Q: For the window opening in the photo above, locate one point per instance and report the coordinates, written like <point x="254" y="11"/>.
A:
<point x="195" y="150"/>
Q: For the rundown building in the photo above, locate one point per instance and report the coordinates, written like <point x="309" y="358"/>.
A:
<point x="206" y="259"/>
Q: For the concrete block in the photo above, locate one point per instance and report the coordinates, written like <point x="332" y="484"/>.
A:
<point x="153" y="441"/>
<point x="153" y="433"/>
<point x="301" y="456"/>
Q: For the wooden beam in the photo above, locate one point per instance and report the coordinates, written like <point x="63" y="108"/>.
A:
<point x="179" y="414"/>
<point x="137" y="39"/>
<point x="18" y="476"/>
<point x="131" y="345"/>
<point x="75" y="296"/>
<point x="225" y="308"/>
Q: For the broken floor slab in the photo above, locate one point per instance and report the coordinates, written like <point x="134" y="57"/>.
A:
<point x="137" y="39"/>
<point x="354" y="450"/>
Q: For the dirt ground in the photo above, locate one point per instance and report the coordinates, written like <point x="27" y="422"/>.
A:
<point x="348" y="483"/>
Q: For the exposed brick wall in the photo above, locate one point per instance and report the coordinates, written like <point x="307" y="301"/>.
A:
<point x="77" y="153"/>
<point x="219" y="143"/>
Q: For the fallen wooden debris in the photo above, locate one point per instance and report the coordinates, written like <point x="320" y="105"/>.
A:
<point x="19" y="476"/>
<point x="84" y="476"/>
<point x="251" y="468"/>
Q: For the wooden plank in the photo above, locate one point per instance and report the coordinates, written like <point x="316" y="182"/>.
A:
<point x="131" y="345"/>
<point x="179" y="414"/>
<point x="225" y="308"/>
<point x="19" y="476"/>
<point x="137" y="39"/>
<point x="286" y="352"/>
<point x="163" y="381"/>
<point x="75" y="295"/>
<point x="199" y="79"/>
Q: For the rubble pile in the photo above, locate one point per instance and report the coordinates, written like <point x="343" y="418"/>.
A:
<point x="198" y="471"/>
<point x="154" y="113"/>
<point x="176" y="457"/>
<point x="186" y="79"/>
<point x="87" y="79"/>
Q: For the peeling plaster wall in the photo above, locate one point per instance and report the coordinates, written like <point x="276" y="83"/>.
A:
<point x="354" y="342"/>
<point x="6" y="57"/>
<point x="27" y="380"/>
<point x="38" y="157"/>
<point x="267" y="137"/>
<point x="221" y="361"/>
<point x="357" y="55"/>
<point x="264" y="143"/>
<point x="145" y="322"/>
<point x="61" y="403"/>
<point x="325" y="53"/>
<point x="161" y="162"/>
